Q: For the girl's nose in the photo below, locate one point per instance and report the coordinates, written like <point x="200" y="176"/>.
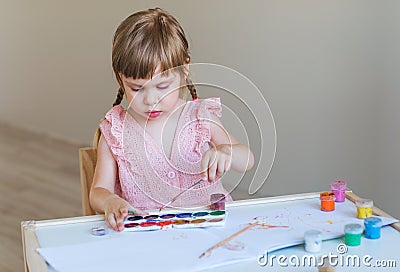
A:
<point x="151" y="98"/>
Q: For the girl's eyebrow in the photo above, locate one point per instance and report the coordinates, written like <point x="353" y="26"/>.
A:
<point x="133" y="84"/>
<point x="166" y="79"/>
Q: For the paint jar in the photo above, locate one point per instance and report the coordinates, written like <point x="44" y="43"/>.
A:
<point x="338" y="188"/>
<point x="313" y="241"/>
<point x="327" y="201"/>
<point x="217" y="202"/>
<point x="352" y="234"/>
<point x="364" y="208"/>
<point x="373" y="227"/>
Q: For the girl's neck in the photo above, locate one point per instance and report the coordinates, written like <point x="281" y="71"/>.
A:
<point x="163" y="131"/>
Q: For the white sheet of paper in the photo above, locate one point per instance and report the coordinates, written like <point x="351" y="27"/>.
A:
<point x="179" y="249"/>
<point x="170" y="250"/>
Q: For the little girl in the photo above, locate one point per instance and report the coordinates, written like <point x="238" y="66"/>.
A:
<point x="161" y="144"/>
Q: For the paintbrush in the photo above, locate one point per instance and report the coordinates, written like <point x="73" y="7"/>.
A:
<point x="181" y="193"/>
<point x="227" y="240"/>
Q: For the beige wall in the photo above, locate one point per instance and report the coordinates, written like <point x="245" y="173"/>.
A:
<point x="328" y="70"/>
<point x="386" y="187"/>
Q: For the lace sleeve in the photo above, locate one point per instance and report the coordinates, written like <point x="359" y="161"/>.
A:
<point x="210" y="106"/>
<point x="206" y="108"/>
<point x="112" y="129"/>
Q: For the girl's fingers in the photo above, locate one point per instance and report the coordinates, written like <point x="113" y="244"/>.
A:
<point x="228" y="163"/>
<point x="204" y="165"/>
<point x="214" y="164"/>
<point x="115" y="221"/>
<point x="110" y="221"/>
<point x="220" y="169"/>
<point x="124" y="211"/>
<point x="120" y="221"/>
<point x="212" y="169"/>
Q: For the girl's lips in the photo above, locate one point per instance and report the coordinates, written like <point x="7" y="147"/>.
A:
<point x="153" y="114"/>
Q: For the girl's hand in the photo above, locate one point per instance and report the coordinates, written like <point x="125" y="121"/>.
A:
<point x="216" y="162"/>
<point x="116" y="210"/>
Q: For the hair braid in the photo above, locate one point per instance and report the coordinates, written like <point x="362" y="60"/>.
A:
<point x="191" y="88"/>
<point x="120" y="96"/>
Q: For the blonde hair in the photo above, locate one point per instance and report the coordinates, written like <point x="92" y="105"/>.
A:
<point x="145" y="41"/>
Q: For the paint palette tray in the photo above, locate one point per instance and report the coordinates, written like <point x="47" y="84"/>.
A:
<point x="198" y="219"/>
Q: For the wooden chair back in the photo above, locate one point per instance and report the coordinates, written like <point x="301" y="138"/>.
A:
<point x="87" y="164"/>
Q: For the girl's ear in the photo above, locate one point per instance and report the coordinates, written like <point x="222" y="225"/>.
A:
<point x="186" y="66"/>
<point x="187" y="60"/>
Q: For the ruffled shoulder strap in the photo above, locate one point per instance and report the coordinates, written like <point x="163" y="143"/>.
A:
<point x="112" y="129"/>
<point x="209" y="106"/>
<point x="201" y="111"/>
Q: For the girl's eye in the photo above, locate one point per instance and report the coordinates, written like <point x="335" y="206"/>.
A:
<point x="163" y="87"/>
<point x="136" y="89"/>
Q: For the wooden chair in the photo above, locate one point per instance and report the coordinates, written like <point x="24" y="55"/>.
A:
<point x="87" y="164"/>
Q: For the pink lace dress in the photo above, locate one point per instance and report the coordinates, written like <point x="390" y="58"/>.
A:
<point x="147" y="177"/>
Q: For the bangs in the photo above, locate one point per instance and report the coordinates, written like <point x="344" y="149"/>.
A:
<point x="148" y="59"/>
<point x="147" y="48"/>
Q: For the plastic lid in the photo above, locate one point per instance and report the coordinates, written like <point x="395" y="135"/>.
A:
<point x="217" y="198"/>
<point x="327" y="196"/>
<point x="364" y="203"/>
<point x="339" y="184"/>
<point x="353" y="228"/>
<point x="315" y="234"/>
<point x="372" y="222"/>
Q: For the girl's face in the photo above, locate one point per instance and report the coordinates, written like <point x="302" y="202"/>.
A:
<point x="152" y="100"/>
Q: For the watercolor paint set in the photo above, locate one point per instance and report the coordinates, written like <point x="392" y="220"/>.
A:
<point x="199" y="219"/>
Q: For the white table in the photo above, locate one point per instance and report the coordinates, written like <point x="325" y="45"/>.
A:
<point x="67" y="231"/>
